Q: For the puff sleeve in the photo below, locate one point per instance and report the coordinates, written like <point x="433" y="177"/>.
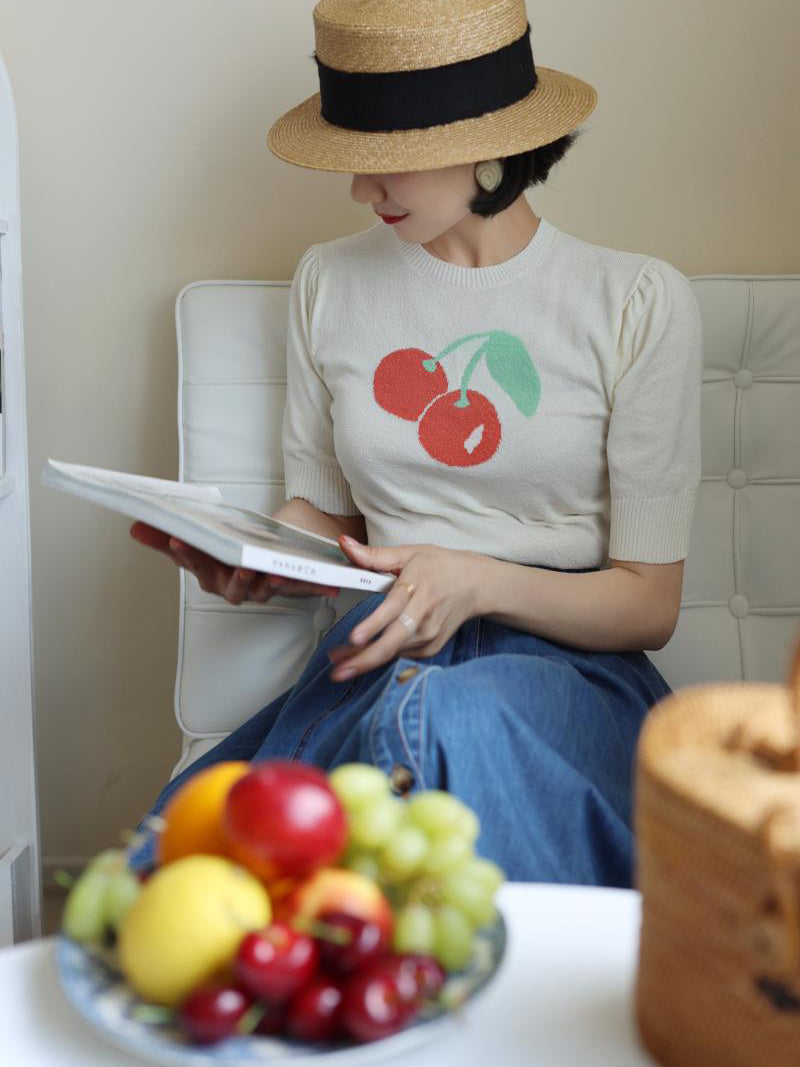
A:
<point x="653" y="443"/>
<point x="311" y="470"/>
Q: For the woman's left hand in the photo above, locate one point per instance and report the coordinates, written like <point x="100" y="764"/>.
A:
<point x="436" y="591"/>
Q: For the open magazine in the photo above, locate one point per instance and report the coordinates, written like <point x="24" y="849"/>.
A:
<point x="200" y="516"/>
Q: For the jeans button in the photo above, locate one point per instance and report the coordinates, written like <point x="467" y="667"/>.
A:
<point x="406" y="673"/>
<point x="401" y="779"/>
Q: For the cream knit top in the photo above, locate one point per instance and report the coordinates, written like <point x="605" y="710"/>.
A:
<point x="545" y="410"/>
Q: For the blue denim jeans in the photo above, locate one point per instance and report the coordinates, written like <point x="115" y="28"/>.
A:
<point x="538" y="738"/>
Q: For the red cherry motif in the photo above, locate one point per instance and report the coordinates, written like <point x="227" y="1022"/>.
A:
<point x="460" y="436"/>
<point x="459" y="428"/>
<point x="403" y="386"/>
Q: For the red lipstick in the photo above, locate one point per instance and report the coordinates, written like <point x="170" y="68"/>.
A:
<point x="392" y="219"/>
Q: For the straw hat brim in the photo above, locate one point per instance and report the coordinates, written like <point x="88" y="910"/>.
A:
<point x="558" y="104"/>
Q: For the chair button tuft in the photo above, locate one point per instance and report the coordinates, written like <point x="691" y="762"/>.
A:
<point x="737" y="478"/>
<point x="739" y="605"/>
<point x="743" y="379"/>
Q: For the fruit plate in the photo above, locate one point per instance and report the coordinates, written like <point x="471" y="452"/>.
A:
<point x="99" y="995"/>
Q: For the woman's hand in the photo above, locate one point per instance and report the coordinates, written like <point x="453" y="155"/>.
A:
<point x="235" y="584"/>
<point x="436" y="591"/>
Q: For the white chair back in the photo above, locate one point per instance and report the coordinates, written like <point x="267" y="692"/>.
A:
<point x="741" y="602"/>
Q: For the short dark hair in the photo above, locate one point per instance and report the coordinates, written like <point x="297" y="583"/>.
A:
<point x="519" y="173"/>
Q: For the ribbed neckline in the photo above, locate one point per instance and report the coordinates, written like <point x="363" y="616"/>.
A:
<point x="449" y="274"/>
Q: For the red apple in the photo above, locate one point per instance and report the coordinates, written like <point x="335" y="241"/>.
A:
<point x="283" y="820"/>
<point x="334" y="889"/>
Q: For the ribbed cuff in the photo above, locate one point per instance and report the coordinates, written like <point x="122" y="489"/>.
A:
<point x="651" y="529"/>
<point x="324" y="487"/>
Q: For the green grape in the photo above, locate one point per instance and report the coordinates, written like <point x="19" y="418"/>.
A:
<point x="359" y="784"/>
<point x="414" y="929"/>
<point x="468" y="825"/>
<point x="452" y="937"/>
<point x="437" y="812"/>
<point x="84" y="916"/>
<point x="484" y="871"/>
<point x="365" y="863"/>
<point x="447" y="853"/>
<point x="404" y="853"/>
<point x="100" y="897"/>
<point x="470" y="897"/>
<point x="372" y="826"/>
<point x="110" y="859"/>
<point x="122" y="890"/>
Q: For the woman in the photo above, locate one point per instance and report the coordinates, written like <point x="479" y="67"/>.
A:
<point x="502" y="415"/>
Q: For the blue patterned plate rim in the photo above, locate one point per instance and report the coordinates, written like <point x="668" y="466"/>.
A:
<point x="98" y="994"/>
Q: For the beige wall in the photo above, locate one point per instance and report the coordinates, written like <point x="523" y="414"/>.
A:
<point x="143" y="167"/>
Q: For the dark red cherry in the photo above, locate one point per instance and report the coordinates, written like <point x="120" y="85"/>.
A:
<point x="348" y="942"/>
<point x="313" y="1012"/>
<point x="378" y="1000"/>
<point x="210" y="1012"/>
<point x="428" y="973"/>
<point x="274" y="963"/>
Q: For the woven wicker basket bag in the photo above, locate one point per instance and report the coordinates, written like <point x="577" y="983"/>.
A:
<point x="718" y="833"/>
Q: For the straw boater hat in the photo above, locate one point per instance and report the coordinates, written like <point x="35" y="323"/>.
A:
<point x="420" y="84"/>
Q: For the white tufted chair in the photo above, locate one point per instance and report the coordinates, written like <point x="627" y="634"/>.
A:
<point x="741" y="603"/>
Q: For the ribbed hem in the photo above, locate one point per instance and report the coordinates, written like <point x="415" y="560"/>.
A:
<point x="437" y="270"/>
<point x="324" y="487"/>
<point x="651" y="529"/>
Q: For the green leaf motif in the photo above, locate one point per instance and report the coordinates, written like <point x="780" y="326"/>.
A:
<point x="513" y="370"/>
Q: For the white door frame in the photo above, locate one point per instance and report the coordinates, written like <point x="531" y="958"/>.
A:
<point x="20" y="880"/>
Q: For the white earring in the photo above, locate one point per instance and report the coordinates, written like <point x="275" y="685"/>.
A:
<point x="489" y="175"/>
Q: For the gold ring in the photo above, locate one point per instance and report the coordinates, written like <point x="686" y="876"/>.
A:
<point x="408" y="622"/>
<point x="410" y="587"/>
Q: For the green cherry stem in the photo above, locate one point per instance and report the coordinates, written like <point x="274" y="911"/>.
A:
<point x="462" y="401"/>
<point x="430" y="364"/>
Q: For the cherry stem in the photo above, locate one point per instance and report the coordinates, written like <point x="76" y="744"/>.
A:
<point x="430" y="363"/>
<point x="251" y="1018"/>
<point x="323" y="931"/>
<point x="64" y="879"/>
<point x="462" y="401"/>
<point x="152" y="1014"/>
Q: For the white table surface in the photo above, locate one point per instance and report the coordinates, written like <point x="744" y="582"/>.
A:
<point x="562" y="998"/>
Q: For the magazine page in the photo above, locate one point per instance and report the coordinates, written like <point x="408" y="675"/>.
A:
<point x="200" y="511"/>
<point x="253" y="528"/>
<point x="99" y="478"/>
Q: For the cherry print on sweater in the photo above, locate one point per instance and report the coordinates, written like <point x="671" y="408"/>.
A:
<point x="459" y="428"/>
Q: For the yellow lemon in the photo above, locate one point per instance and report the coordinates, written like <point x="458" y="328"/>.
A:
<point x="187" y="923"/>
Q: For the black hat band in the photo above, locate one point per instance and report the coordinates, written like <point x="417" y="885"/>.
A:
<point x="414" y="99"/>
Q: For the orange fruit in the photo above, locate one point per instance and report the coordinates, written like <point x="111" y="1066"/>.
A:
<point x="193" y="817"/>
